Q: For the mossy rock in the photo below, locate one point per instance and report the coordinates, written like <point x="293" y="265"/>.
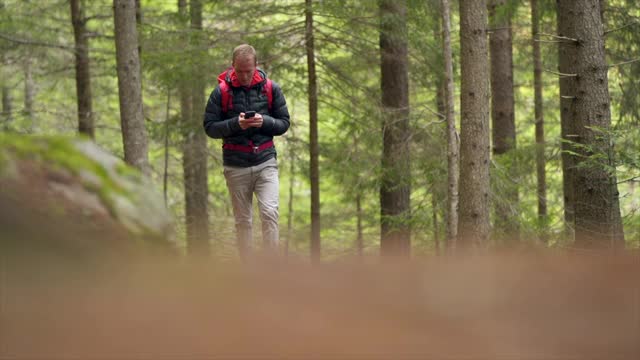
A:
<point x="72" y="177"/>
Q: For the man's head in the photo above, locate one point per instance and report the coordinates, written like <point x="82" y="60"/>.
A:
<point x="244" y="63"/>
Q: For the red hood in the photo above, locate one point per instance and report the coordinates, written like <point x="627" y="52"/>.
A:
<point x="230" y="77"/>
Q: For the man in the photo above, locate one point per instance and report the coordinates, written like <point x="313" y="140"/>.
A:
<point x="249" y="155"/>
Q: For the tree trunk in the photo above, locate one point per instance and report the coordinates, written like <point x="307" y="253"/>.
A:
<point x="539" y="121"/>
<point x="165" y="172"/>
<point x="195" y="153"/>
<point x="29" y="93"/>
<point x="503" y="121"/>
<point x="7" y="106"/>
<point x="434" y="218"/>
<point x="597" y="209"/>
<point x="139" y="24"/>
<point x="359" y="228"/>
<point x="567" y="51"/>
<point x="292" y="173"/>
<point x="185" y="129"/>
<point x="453" y="147"/>
<point x="83" y="74"/>
<point x="314" y="151"/>
<point x="395" y="188"/>
<point x="473" y="227"/>
<point x="134" y="133"/>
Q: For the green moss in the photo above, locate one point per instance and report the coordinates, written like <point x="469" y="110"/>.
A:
<point x="60" y="152"/>
<point x="122" y="190"/>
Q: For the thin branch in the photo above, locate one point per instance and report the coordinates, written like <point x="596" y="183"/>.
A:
<point x="439" y="115"/>
<point x="550" y="41"/>
<point x="492" y="30"/>
<point x="633" y="179"/>
<point x="624" y="62"/>
<point x="622" y="27"/>
<point x="35" y="43"/>
<point x="559" y="37"/>
<point x="97" y="17"/>
<point x="560" y="74"/>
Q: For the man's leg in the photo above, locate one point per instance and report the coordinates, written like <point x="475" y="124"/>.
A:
<point x="267" y="192"/>
<point x="240" y="185"/>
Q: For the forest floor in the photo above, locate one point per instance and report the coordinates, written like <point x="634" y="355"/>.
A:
<point x="69" y="289"/>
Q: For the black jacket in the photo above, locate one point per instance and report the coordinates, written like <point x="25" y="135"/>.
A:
<point x="225" y="125"/>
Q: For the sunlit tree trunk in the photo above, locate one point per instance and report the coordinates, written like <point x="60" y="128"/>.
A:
<point x="395" y="188"/>
<point x="453" y="146"/>
<point x="314" y="151"/>
<point x="83" y="74"/>
<point x="503" y="121"/>
<point x="473" y="227"/>
<point x="134" y="133"/>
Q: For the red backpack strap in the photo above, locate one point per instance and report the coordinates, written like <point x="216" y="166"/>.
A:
<point x="227" y="101"/>
<point x="267" y="89"/>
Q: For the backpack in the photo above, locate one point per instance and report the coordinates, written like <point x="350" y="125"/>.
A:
<point x="227" y="95"/>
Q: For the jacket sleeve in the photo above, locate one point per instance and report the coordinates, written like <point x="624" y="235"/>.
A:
<point x="214" y="124"/>
<point x="276" y="123"/>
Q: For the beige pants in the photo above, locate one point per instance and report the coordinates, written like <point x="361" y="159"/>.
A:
<point x="242" y="184"/>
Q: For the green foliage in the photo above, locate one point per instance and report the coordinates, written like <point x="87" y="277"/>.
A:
<point x="346" y="34"/>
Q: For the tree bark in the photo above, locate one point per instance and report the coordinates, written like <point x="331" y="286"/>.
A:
<point x="292" y="173"/>
<point x="83" y="73"/>
<point x="314" y="171"/>
<point x="503" y="121"/>
<point x="195" y="152"/>
<point x="359" y="227"/>
<point x="7" y="103"/>
<point x="453" y="146"/>
<point x="29" y="93"/>
<point x="395" y="188"/>
<point x="134" y="133"/>
<point x="597" y="210"/>
<point x="541" y="174"/>
<point x="473" y="227"/>
<point x="165" y="172"/>
<point x="567" y="51"/>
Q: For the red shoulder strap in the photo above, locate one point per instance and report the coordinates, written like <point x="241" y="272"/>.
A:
<point x="267" y="89"/>
<point x="227" y="101"/>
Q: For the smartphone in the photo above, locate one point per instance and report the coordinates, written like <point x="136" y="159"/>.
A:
<point x="249" y="114"/>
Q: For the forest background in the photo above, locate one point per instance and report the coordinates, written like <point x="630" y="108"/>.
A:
<point x="184" y="46"/>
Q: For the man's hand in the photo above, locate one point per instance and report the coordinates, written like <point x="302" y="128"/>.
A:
<point x="255" y="121"/>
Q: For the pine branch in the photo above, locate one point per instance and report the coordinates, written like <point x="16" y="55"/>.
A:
<point x="97" y="17"/>
<point x="560" y="74"/>
<point x="549" y="41"/>
<point x="625" y="62"/>
<point x="35" y="43"/>
<point x="622" y="27"/>
<point x="563" y="38"/>
<point x="633" y="179"/>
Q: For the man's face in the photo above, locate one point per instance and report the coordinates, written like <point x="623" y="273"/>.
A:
<point x="245" y="67"/>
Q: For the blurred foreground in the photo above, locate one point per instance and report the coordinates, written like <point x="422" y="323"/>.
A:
<point x="69" y="291"/>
